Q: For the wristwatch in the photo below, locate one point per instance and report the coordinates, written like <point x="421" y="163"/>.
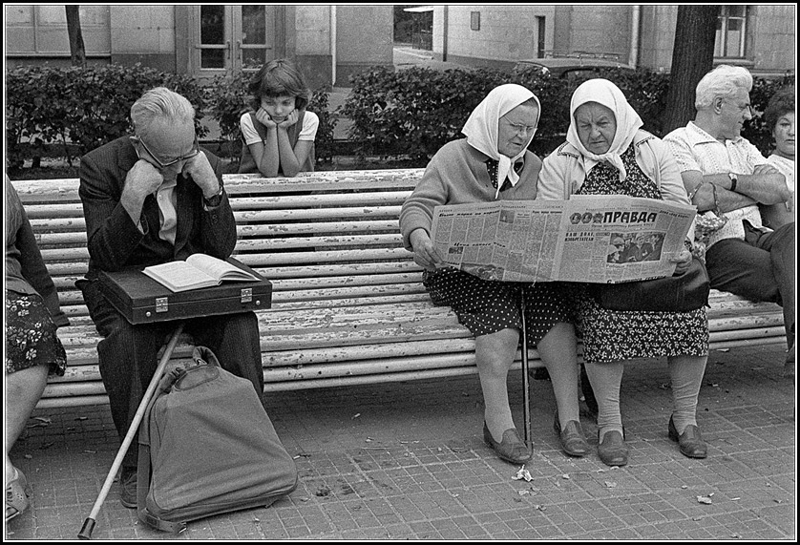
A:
<point x="733" y="179"/>
<point x="214" y="200"/>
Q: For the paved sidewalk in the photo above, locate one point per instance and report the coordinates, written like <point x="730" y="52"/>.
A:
<point x="407" y="461"/>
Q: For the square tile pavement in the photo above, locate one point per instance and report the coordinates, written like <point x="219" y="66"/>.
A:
<point x="407" y="461"/>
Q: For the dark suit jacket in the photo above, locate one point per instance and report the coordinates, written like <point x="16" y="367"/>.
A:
<point x="115" y="243"/>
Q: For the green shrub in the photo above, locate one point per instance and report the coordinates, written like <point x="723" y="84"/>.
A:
<point x="413" y="111"/>
<point x="85" y="106"/>
<point x="228" y="99"/>
<point x="417" y="110"/>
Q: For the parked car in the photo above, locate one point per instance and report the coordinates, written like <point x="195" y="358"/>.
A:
<point x="563" y="67"/>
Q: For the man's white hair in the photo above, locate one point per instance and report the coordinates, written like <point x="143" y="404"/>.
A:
<point x="722" y="81"/>
<point x="160" y="103"/>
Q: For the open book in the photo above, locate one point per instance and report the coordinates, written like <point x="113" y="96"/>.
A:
<point x="198" y="271"/>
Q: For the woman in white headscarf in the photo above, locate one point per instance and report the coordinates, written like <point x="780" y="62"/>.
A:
<point x="606" y="153"/>
<point x="493" y="163"/>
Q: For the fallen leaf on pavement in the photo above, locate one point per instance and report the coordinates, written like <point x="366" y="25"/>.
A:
<point x="523" y="473"/>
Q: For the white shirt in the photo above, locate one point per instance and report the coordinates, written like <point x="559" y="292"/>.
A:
<point x="785" y="166"/>
<point x="695" y="149"/>
<point x="307" y="132"/>
<point x="168" y="217"/>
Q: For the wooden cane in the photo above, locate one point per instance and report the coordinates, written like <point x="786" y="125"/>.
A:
<point x="88" y="524"/>
<point x="526" y="396"/>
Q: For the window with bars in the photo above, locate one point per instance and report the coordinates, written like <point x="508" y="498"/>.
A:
<point x="731" y="32"/>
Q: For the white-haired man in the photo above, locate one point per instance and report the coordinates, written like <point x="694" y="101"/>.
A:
<point x="151" y="198"/>
<point x="723" y="171"/>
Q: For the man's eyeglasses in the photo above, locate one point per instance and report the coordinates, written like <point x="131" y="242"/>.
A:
<point x="742" y="108"/>
<point x="164" y="164"/>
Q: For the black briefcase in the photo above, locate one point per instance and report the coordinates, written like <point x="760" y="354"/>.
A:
<point x="143" y="300"/>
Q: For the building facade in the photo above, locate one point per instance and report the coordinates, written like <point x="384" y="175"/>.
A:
<point x="328" y="43"/>
<point x="758" y="37"/>
<point x="331" y="42"/>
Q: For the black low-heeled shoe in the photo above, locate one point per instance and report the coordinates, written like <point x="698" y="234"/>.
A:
<point x="690" y="442"/>
<point x="511" y="448"/>
<point x="613" y="451"/>
<point x="572" y="440"/>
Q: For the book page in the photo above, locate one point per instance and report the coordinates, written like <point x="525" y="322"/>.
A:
<point x="219" y="269"/>
<point x="180" y="276"/>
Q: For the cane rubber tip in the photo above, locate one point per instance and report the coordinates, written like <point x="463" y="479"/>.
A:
<point x="87" y="529"/>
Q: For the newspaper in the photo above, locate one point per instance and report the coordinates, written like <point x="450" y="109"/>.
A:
<point x="598" y="239"/>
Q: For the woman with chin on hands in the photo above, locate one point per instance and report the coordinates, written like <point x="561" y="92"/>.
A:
<point x="493" y="163"/>
<point x="606" y="153"/>
<point x="279" y="133"/>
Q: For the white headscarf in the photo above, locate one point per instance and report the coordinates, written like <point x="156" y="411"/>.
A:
<point x="481" y="127"/>
<point x="628" y="121"/>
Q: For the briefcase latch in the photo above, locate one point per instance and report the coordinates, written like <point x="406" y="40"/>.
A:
<point x="162" y="304"/>
<point x="247" y="295"/>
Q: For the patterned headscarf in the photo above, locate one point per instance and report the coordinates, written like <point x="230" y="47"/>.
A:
<point x="481" y="127"/>
<point x="628" y="121"/>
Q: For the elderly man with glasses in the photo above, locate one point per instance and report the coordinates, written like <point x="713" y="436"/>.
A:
<point x="151" y="198"/>
<point x="726" y="174"/>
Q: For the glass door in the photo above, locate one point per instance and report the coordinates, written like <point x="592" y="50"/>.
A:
<point x="228" y="39"/>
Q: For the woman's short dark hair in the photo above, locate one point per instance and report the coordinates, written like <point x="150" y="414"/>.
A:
<point x="781" y="103"/>
<point x="279" y="78"/>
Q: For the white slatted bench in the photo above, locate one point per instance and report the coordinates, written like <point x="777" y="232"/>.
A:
<point x="348" y="304"/>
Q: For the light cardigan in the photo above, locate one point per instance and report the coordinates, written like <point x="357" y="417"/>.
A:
<point x="457" y="175"/>
<point x="563" y="171"/>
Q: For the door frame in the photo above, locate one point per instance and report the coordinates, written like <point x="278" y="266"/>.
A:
<point x="185" y="30"/>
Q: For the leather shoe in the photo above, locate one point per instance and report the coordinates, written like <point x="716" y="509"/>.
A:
<point x="572" y="440"/>
<point x="613" y="451"/>
<point x="690" y="442"/>
<point x="127" y="483"/>
<point x="511" y="448"/>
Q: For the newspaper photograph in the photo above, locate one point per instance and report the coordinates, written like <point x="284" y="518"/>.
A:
<point x="597" y="238"/>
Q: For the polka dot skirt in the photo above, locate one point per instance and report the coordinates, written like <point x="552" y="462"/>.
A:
<point x="485" y="306"/>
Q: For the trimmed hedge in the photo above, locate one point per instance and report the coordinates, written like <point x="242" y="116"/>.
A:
<point x="84" y="106"/>
<point x="417" y="110"/>
<point x="404" y="113"/>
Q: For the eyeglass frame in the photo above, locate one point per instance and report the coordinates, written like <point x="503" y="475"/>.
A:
<point x="195" y="151"/>
<point x="518" y="128"/>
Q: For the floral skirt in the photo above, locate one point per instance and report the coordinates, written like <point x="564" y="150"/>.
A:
<point x="612" y="336"/>
<point x="31" y="338"/>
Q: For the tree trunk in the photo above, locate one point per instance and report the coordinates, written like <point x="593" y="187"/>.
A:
<point x="692" y="58"/>
<point x="77" y="52"/>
